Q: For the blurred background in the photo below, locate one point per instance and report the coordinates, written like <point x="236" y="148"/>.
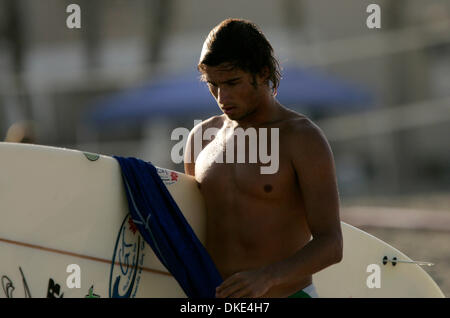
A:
<point x="127" y="78"/>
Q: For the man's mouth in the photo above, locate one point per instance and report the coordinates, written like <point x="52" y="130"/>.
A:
<point x="228" y="110"/>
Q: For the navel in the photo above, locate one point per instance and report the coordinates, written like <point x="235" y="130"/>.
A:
<point x="267" y="188"/>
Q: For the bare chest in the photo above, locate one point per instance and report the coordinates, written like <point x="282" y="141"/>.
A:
<point x="250" y="167"/>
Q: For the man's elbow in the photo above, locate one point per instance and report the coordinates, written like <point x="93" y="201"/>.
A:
<point x="338" y="247"/>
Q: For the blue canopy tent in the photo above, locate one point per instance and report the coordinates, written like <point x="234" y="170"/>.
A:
<point x="185" y="95"/>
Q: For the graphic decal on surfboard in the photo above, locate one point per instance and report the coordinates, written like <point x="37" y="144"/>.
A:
<point x="91" y="156"/>
<point x="128" y="254"/>
<point x="168" y="177"/>
<point x="8" y="286"/>
<point x="91" y="293"/>
<point x="54" y="290"/>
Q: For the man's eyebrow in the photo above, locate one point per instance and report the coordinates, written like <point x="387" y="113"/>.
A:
<point x="233" y="79"/>
<point x="227" y="81"/>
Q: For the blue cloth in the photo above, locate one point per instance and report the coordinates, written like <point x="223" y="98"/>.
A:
<point x="165" y="229"/>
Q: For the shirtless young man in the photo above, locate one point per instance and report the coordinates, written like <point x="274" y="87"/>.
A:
<point x="259" y="226"/>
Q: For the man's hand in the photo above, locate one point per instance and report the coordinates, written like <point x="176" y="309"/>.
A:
<point x="248" y="284"/>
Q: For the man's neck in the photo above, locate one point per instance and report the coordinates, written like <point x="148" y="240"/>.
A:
<point x="266" y="112"/>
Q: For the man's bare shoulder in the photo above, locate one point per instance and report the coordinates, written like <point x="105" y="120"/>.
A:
<point x="296" y="125"/>
<point x="302" y="133"/>
<point x="190" y="153"/>
<point x="212" y="122"/>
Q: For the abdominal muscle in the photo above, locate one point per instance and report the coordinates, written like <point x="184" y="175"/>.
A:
<point x="248" y="233"/>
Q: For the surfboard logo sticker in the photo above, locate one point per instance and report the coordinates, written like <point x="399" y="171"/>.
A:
<point x="54" y="289"/>
<point x="127" y="262"/>
<point x="132" y="227"/>
<point x="168" y="177"/>
<point x="91" y="156"/>
<point x="91" y="293"/>
<point x="7" y="286"/>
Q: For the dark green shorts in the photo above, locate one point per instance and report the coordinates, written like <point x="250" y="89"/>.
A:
<point x="300" y="294"/>
<point x="307" y="292"/>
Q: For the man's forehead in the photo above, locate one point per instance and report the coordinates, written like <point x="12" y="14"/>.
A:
<point x="221" y="72"/>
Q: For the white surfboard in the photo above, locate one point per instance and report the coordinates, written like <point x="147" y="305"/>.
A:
<point x="65" y="232"/>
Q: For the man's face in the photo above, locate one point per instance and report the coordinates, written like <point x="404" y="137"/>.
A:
<point x="236" y="92"/>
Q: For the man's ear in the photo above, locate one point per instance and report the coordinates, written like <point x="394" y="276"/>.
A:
<point x="264" y="75"/>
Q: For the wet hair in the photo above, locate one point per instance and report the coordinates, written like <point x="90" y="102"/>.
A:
<point x="240" y="44"/>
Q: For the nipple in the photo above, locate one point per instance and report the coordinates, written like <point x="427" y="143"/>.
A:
<point x="267" y="188"/>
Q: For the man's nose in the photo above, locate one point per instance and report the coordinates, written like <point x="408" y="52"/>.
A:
<point x="222" y="95"/>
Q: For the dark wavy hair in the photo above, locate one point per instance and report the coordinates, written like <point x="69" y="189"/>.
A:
<point x="240" y="44"/>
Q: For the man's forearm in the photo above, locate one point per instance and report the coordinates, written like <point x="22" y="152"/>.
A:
<point x="318" y="254"/>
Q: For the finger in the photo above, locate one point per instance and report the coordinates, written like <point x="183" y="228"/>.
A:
<point x="229" y="282"/>
<point x="227" y="291"/>
<point x="236" y="293"/>
<point x="241" y="293"/>
<point x="247" y="292"/>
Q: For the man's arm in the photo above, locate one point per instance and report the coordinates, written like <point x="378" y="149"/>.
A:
<point x="313" y="162"/>
<point x="189" y="164"/>
<point x="189" y="155"/>
<point x="196" y="136"/>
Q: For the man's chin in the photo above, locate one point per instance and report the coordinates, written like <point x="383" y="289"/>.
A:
<point x="234" y="116"/>
<point x="230" y="116"/>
